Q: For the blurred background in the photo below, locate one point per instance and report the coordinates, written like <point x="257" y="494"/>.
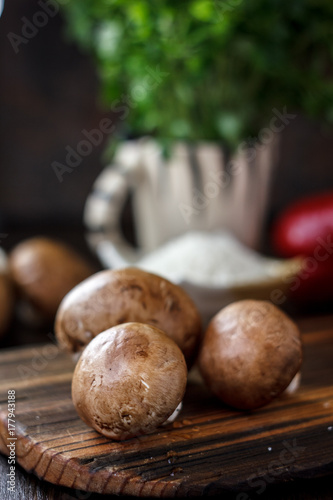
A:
<point x="50" y="93"/>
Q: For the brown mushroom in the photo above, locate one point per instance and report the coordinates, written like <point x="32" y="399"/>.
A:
<point x="250" y="353"/>
<point x="44" y="270"/>
<point x="119" y="296"/>
<point x="129" y="380"/>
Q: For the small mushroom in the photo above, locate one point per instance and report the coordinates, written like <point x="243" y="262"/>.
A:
<point x="129" y="380"/>
<point x="115" y="296"/>
<point x="250" y="353"/>
<point x="44" y="271"/>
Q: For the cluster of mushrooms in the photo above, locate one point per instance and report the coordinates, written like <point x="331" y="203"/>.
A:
<point x="136" y="335"/>
<point x="139" y="334"/>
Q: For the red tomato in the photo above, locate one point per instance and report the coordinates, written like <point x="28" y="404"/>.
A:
<point x="306" y="228"/>
<point x="303" y="226"/>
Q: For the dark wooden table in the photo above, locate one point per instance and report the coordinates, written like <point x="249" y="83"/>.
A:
<point x="29" y="486"/>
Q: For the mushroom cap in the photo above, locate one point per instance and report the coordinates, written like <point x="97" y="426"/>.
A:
<point x="44" y="270"/>
<point x="250" y="353"/>
<point x="111" y="297"/>
<point x="129" y="380"/>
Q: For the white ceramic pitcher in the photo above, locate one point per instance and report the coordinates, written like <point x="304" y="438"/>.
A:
<point x="195" y="189"/>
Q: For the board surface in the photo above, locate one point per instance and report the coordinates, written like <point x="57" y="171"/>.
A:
<point x="208" y="449"/>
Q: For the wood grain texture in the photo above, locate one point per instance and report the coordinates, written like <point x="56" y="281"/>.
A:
<point x="209" y="449"/>
<point x="29" y="487"/>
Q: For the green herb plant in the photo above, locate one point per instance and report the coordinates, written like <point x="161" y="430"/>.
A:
<point x="223" y="64"/>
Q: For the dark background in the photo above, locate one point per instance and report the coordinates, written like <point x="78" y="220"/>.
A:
<point x="49" y="94"/>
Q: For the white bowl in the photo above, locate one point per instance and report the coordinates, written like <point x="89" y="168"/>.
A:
<point x="210" y="300"/>
<point x="274" y="286"/>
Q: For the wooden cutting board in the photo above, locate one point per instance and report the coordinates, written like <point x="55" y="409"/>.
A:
<point x="208" y="449"/>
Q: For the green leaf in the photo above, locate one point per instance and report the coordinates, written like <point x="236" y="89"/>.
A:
<point x="225" y="63"/>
